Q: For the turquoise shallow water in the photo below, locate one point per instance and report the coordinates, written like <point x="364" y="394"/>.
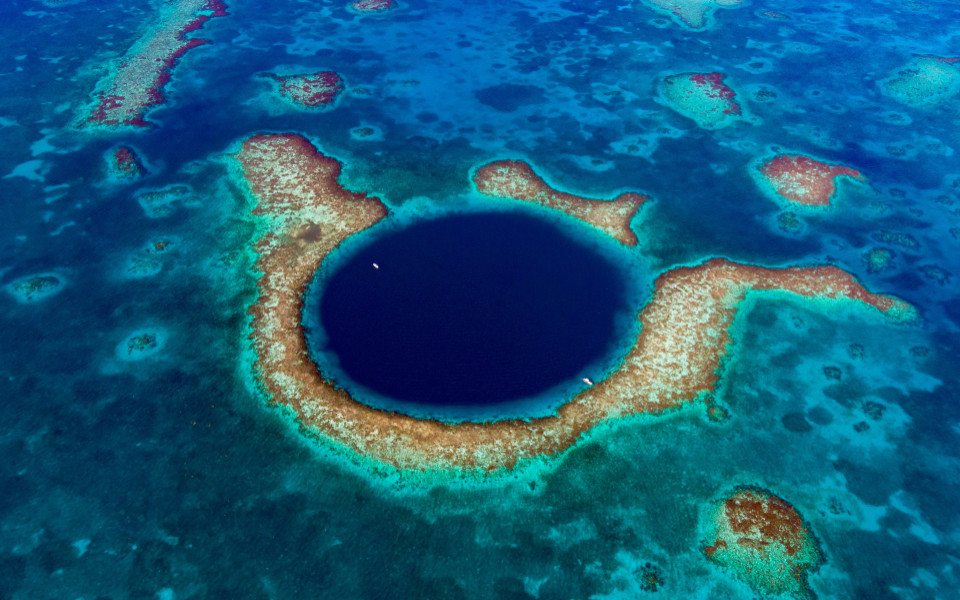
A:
<point x="141" y="460"/>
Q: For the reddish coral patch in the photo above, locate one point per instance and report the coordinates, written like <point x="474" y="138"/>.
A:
<point x="717" y="89"/>
<point x="312" y="90"/>
<point x="703" y="97"/>
<point x="137" y="83"/>
<point x="124" y="163"/>
<point x="764" y="541"/>
<point x="803" y="180"/>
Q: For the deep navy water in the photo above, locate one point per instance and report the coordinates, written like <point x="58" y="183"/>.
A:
<point x="164" y="473"/>
<point x="471" y="311"/>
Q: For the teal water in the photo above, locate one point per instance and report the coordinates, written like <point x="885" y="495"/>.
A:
<point x="142" y="461"/>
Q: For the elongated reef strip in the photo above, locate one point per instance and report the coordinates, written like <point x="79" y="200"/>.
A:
<point x="306" y="213"/>
<point x="136" y="83"/>
<point x="517" y="180"/>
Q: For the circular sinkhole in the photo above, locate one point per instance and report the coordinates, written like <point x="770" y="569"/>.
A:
<point x="476" y="316"/>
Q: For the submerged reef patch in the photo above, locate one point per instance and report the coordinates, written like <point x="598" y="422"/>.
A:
<point x="124" y="163"/>
<point x="703" y="97"/>
<point x="773" y="15"/>
<point x="925" y="80"/>
<point x="136" y="82"/>
<point x="311" y="90"/>
<point x="146" y="263"/>
<point x="372" y="6"/>
<point x="936" y="274"/>
<point x="650" y="577"/>
<point x="157" y="204"/>
<point x="366" y="133"/>
<point x="33" y="288"/>
<point x="140" y="266"/>
<point x="141" y="344"/>
<point x="879" y="259"/>
<point x="897" y="238"/>
<point x="764" y="542"/>
<point x="691" y="14"/>
<point x="789" y="222"/>
<point x="304" y="213"/>
<point x="800" y="180"/>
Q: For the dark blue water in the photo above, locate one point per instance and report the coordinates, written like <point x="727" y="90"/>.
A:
<point x="471" y="310"/>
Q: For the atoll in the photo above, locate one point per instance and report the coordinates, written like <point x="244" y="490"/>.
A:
<point x="703" y="97"/>
<point x="800" y="180"/>
<point x="311" y="90"/>
<point x="691" y="14"/>
<point x="306" y="213"/>
<point x="123" y="162"/>
<point x="925" y="80"/>
<point x="136" y="83"/>
<point x="35" y="287"/>
<point x="764" y="542"/>
<point x="516" y="180"/>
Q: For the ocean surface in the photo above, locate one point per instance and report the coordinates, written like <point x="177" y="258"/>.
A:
<point x="142" y="460"/>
